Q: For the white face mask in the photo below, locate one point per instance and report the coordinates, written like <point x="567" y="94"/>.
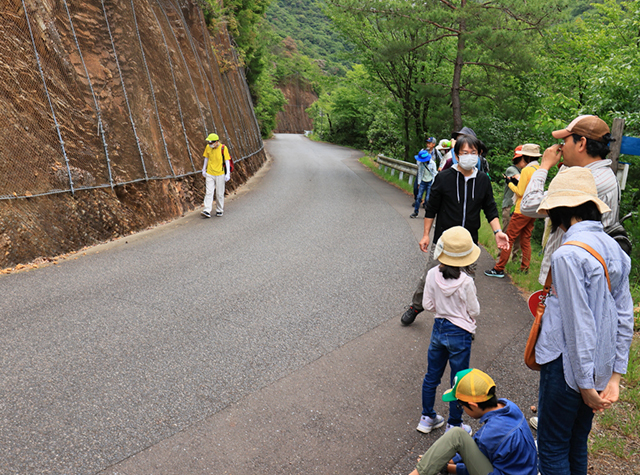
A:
<point x="467" y="161"/>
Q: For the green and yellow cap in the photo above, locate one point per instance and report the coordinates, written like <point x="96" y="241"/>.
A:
<point x="213" y="138"/>
<point x="470" y="385"/>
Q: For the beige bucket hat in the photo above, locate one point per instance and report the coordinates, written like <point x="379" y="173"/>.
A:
<point x="456" y="248"/>
<point x="572" y="187"/>
<point x="530" y="150"/>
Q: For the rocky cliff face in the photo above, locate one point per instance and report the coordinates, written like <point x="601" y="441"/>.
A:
<point x="104" y="109"/>
<point x="294" y="119"/>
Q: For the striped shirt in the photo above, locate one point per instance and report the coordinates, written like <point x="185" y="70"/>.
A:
<point x="608" y="191"/>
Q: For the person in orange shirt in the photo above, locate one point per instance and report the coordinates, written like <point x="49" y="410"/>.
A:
<point x="519" y="225"/>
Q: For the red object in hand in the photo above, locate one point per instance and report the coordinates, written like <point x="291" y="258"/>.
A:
<point x="533" y="301"/>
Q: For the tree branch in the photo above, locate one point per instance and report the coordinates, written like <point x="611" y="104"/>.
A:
<point x="495" y="66"/>
<point x="464" y="89"/>
<point x="450" y="5"/>
<point x="410" y="50"/>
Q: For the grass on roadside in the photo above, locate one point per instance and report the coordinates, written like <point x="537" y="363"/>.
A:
<point x="393" y="179"/>
<point x="616" y="431"/>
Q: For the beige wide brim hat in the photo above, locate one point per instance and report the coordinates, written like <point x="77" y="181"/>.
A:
<point x="572" y="187"/>
<point x="456" y="248"/>
<point x="530" y="150"/>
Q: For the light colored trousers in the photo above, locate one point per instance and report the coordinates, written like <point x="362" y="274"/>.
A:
<point x="214" y="183"/>
<point x="454" y="441"/>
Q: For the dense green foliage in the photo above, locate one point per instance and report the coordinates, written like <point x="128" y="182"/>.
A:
<point x="304" y="21"/>
<point x="270" y="56"/>
<point x="442" y="59"/>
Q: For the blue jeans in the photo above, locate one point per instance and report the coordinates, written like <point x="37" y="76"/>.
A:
<point x="423" y="189"/>
<point x="564" y="423"/>
<point x="449" y="343"/>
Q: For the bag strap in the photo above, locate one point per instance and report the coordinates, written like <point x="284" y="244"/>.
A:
<point x="547" y="284"/>
<point x="595" y="254"/>
<point x="224" y="164"/>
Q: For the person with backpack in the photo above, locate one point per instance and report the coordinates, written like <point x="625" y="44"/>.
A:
<point x="482" y="165"/>
<point x="449" y="292"/>
<point x="216" y="171"/>
<point x="520" y="226"/>
<point x="587" y="325"/>
<point x="458" y="196"/>
<point x="427" y="171"/>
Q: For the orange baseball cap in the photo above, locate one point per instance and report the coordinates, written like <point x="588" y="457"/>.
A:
<point x="518" y="151"/>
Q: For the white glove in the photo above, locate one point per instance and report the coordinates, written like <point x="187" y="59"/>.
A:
<point x="227" y="177"/>
<point x="204" y="167"/>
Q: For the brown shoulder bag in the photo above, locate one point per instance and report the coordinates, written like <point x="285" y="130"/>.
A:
<point x="530" y="349"/>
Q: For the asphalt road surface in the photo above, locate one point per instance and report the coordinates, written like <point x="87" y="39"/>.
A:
<point x="265" y="341"/>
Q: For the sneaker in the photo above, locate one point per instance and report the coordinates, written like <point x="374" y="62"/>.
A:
<point x="219" y="213"/>
<point x="206" y="214"/>
<point x="494" y="273"/>
<point x="427" y="424"/>
<point x="534" y="423"/>
<point x="409" y="315"/>
<point x="464" y="426"/>
<point x="413" y="215"/>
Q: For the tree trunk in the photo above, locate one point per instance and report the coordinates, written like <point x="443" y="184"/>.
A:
<point x="457" y="74"/>
<point x="407" y="142"/>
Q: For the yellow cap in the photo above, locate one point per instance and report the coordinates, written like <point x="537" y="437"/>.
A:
<point x="470" y="385"/>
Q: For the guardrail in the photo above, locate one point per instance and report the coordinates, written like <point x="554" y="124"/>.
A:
<point x="403" y="167"/>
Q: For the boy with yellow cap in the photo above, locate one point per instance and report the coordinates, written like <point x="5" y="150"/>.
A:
<point x="503" y="445"/>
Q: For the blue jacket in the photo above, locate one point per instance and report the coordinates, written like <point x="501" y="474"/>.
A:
<point x="506" y="440"/>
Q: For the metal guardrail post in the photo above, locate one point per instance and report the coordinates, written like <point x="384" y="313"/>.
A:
<point x="403" y="167"/>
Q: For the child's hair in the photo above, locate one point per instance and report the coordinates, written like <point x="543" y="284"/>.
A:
<point x="450" y="272"/>
<point x="488" y="404"/>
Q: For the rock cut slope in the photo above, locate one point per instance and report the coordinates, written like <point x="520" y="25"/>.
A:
<point x="104" y="108"/>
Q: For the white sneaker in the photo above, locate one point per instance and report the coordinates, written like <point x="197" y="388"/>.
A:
<point x="534" y="423"/>
<point x="427" y="424"/>
<point x="464" y="426"/>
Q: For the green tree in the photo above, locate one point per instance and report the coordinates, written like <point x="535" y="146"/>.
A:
<point x="345" y="114"/>
<point x="475" y="39"/>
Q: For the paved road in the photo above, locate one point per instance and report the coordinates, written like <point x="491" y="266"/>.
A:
<point x="265" y="341"/>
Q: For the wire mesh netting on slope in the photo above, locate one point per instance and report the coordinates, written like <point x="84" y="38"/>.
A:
<point x="97" y="94"/>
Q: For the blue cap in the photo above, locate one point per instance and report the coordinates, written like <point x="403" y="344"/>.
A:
<point x="431" y="140"/>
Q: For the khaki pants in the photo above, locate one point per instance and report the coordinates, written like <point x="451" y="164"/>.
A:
<point x="455" y="441"/>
